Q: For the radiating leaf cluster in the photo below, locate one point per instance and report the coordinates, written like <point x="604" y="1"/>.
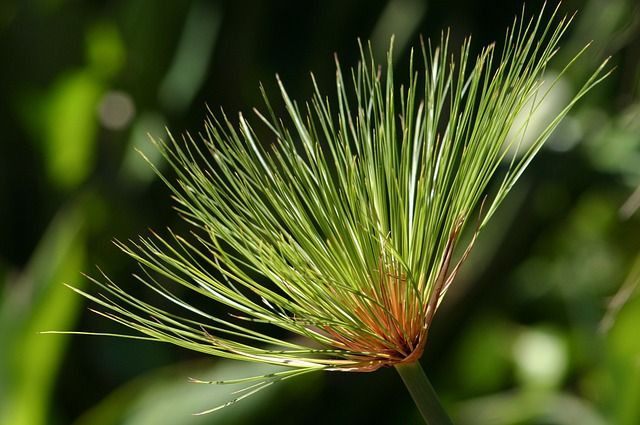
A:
<point x="340" y="226"/>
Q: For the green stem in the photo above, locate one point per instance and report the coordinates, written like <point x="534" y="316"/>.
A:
<point x="423" y="394"/>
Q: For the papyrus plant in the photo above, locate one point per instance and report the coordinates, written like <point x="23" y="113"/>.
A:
<point x="343" y="225"/>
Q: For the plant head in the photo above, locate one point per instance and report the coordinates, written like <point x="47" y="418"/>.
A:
<point x="343" y="225"/>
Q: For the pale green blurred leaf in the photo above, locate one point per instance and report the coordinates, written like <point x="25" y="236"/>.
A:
<point x="166" y="397"/>
<point x="134" y="168"/>
<point x="623" y="366"/>
<point x="523" y="407"/>
<point x="71" y="127"/>
<point x="105" y="49"/>
<point x="193" y="54"/>
<point x="36" y="301"/>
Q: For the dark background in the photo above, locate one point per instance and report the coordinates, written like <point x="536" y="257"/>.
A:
<point x="542" y="326"/>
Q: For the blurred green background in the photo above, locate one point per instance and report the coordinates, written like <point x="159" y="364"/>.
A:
<point x="542" y="327"/>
